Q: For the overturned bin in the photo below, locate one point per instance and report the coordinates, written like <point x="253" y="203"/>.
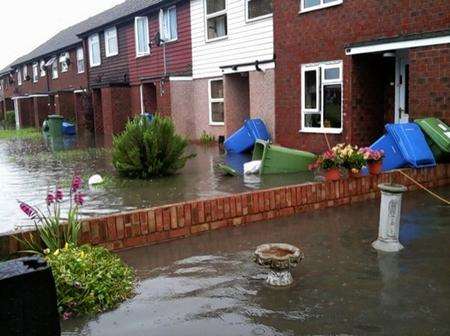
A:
<point x="28" y="303"/>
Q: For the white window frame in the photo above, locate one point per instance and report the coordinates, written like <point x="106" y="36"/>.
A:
<point x="322" y="5"/>
<point x="35" y="72"/>
<point x="320" y="83"/>
<point x="63" y="57"/>
<point x="215" y="100"/>
<point x="147" y="37"/>
<point x="163" y="12"/>
<point x="262" y="17"/>
<point x="25" y="72"/>
<point x="42" y="70"/>
<point x="55" y="74"/>
<point x="90" y="47"/>
<point x="113" y="31"/>
<point x="80" y="69"/>
<point x="211" y="16"/>
<point x="19" y="77"/>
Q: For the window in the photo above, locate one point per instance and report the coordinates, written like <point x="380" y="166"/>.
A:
<point x="80" y="60"/>
<point x="35" y="72"/>
<point x="258" y="9"/>
<point x="42" y="68"/>
<point x="216" y="105"/>
<point x="168" y="24"/>
<point x="94" y="50"/>
<point x="322" y="97"/>
<point x="111" y="45"/>
<point x="309" y="5"/>
<point x="216" y="19"/>
<point x="25" y="72"/>
<point x="19" y="77"/>
<point x="54" y="69"/>
<point x="142" y="36"/>
<point x="64" y="61"/>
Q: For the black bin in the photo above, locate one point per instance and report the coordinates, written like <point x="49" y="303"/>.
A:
<point x="28" y="298"/>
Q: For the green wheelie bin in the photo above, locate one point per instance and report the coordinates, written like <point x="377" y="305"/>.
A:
<point x="438" y="137"/>
<point x="55" y="125"/>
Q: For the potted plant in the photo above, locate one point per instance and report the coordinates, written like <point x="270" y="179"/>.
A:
<point x="352" y="159"/>
<point x="330" y="163"/>
<point x="374" y="159"/>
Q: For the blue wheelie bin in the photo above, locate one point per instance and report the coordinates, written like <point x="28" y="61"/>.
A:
<point x="393" y="158"/>
<point x="412" y="144"/>
<point x="244" y="139"/>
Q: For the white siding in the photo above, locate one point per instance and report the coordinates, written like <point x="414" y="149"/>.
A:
<point x="246" y="41"/>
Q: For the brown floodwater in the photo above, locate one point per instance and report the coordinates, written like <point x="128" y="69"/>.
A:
<point x="209" y="284"/>
<point x="29" y="167"/>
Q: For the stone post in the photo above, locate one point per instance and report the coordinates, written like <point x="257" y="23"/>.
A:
<point x="390" y="211"/>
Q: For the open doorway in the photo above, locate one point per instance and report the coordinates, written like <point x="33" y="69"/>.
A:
<point x="237" y="101"/>
<point x="401" y="112"/>
<point x="148" y="98"/>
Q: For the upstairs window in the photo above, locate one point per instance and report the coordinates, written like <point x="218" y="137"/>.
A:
<point x="142" y="36"/>
<point x="309" y="5"/>
<point x="19" y="77"/>
<point x="216" y="19"/>
<point x="322" y="97"/>
<point x="80" y="60"/>
<point x="258" y="9"/>
<point x="42" y="68"/>
<point x="35" y="72"/>
<point x="54" y="69"/>
<point x="94" y="50"/>
<point x="64" y="61"/>
<point x="216" y="102"/>
<point x="111" y="43"/>
<point x="168" y="24"/>
<point x="25" y="72"/>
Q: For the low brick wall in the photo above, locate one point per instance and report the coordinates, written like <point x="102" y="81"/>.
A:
<point x="163" y="223"/>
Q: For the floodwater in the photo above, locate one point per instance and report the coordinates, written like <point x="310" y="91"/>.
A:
<point x="208" y="284"/>
<point x="28" y="168"/>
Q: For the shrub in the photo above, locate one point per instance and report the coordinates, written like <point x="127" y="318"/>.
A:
<point x="89" y="280"/>
<point x="207" y="139"/>
<point x="148" y="149"/>
<point x="10" y="119"/>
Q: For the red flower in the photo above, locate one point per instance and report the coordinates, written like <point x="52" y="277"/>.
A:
<point x="59" y="195"/>
<point x="79" y="199"/>
<point x="28" y="210"/>
<point x="76" y="183"/>
<point x="50" y="199"/>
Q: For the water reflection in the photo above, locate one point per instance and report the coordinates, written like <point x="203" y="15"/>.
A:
<point x="28" y="167"/>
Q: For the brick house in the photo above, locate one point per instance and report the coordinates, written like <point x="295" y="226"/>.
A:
<point x="138" y="57"/>
<point x="347" y="67"/>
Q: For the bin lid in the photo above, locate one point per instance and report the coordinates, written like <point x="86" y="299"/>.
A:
<point x="55" y="116"/>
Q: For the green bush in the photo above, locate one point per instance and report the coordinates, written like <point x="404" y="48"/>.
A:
<point x="207" y="139"/>
<point x="10" y="119"/>
<point x="89" y="280"/>
<point x="148" y="149"/>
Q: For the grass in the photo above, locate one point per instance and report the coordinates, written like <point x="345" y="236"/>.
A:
<point x="24" y="133"/>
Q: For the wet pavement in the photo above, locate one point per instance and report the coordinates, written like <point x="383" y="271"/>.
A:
<point x="208" y="284"/>
<point x="27" y="168"/>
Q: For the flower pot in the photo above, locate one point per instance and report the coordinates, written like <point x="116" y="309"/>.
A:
<point x="353" y="174"/>
<point x="375" y="167"/>
<point x="332" y="174"/>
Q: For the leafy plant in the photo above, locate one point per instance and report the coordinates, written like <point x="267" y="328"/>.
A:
<point x="89" y="279"/>
<point x="52" y="233"/>
<point x="10" y="119"/>
<point x="147" y="149"/>
<point x="352" y="158"/>
<point x="207" y="139"/>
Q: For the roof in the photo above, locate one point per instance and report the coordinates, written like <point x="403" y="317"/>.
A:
<point x="401" y="38"/>
<point x="69" y="36"/>
<point x="5" y="70"/>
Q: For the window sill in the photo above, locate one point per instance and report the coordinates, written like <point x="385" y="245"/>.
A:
<point x="94" y="65"/>
<point x="111" y="55"/>
<point x="217" y="39"/>
<point x="216" y="124"/>
<point x="306" y="10"/>
<point x="171" y="41"/>
<point x="259" y="18"/>
<point x="142" y="55"/>
<point x="321" y="130"/>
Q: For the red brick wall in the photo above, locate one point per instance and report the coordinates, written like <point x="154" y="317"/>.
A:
<point x="26" y="112"/>
<point x="84" y="112"/>
<point x="163" y="223"/>
<point x="41" y="110"/>
<point x="322" y="35"/>
<point x="65" y="105"/>
<point x="430" y="82"/>
<point x="97" y="109"/>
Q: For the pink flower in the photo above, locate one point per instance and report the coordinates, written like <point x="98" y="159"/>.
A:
<point x="59" y="195"/>
<point x="79" y="199"/>
<point x="50" y="199"/>
<point x="76" y="183"/>
<point x="67" y="315"/>
<point x="28" y="210"/>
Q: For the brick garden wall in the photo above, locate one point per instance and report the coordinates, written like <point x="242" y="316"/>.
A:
<point x="163" y="223"/>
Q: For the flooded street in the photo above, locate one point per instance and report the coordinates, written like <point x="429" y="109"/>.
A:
<point x="28" y="167"/>
<point x="209" y="285"/>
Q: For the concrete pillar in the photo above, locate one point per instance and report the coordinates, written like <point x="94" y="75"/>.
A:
<point x="390" y="212"/>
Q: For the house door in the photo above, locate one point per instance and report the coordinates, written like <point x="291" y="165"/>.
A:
<point x="402" y="88"/>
